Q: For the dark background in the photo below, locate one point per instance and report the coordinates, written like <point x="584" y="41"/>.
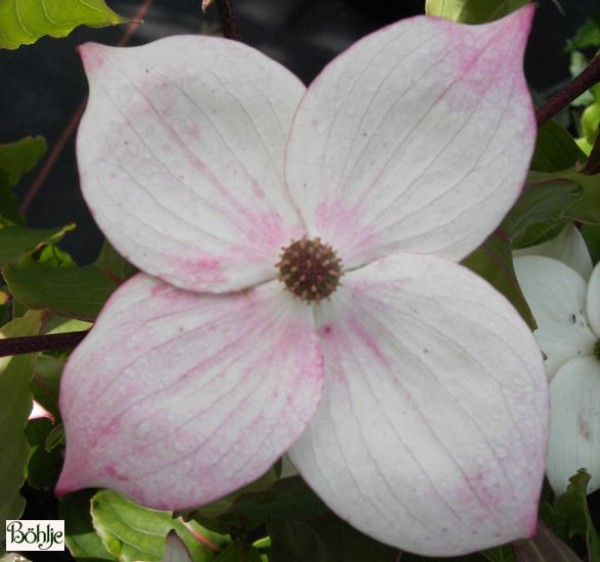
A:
<point x="42" y="85"/>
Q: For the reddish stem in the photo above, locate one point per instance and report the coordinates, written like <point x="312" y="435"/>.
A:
<point x="206" y="542"/>
<point x="589" y="77"/>
<point x="231" y="29"/>
<point x="33" y="344"/>
<point x="68" y="131"/>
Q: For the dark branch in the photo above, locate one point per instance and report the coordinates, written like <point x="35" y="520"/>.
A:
<point x="48" y="342"/>
<point x="231" y="30"/>
<point x="581" y="83"/>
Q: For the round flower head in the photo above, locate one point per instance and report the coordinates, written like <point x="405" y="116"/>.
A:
<point x="300" y="288"/>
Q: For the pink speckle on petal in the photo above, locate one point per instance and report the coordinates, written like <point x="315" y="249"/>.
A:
<point x="114" y="473"/>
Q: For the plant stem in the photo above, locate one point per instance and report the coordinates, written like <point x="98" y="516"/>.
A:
<point x="581" y="83"/>
<point x="231" y="29"/>
<point x="33" y="344"/>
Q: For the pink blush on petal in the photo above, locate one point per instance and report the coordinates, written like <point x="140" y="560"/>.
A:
<point x="207" y="269"/>
<point x="483" y="65"/>
<point x="92" y="55"/>
<point x="342" y="226"/>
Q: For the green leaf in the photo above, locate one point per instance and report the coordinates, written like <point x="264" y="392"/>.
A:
<point x="539" y="210"/>
<point x="588" y="35"/>
<point x="239" y="552"/>
<point x="591" y="235"/>
<point x="555" y="149"/>
<point x="80" y="535"/>
<point x="472" y="11"/>
<point x="15" y="406"/>
<point x="570" y="515"/>
<point x="78" y="292"/>
<point x="45" y="383"/>
<point x="23" y="22"/>
<point x="493" y="261"/>
<point x="587" y="209"/>
<point x="132" y="532"/>
<point x="590" y="121"/>
<point x="52" y="255"/>
<point x="16" y="159"/>
<point x="592" y="166"/>
<point x="289" y="498"/>
<point x="19" y="157"/>
<point x="544" y="547"/>
<point x="19" y="241"/>
<point x="327" y="539"/>
<point x="56" y="437"/>
<point x="113" y="265"/>
<point x="43" y="466"/>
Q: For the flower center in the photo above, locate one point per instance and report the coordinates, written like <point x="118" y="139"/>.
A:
<point x="310" y="269"/>
<point x="597" y="350"/>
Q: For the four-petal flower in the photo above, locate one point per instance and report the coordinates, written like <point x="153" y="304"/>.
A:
<point x="412" y="397"/>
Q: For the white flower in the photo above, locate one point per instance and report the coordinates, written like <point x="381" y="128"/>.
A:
<point x="567" y="311"/>
<point x="411" y="396"/>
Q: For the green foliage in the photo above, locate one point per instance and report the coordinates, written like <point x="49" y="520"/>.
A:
<point x="113" y="265"/>
<point x="591" y="235"/>
<point x="493" y="261"/>
<point x="590" y="121"/>
<point x="544" y="547"/>
<point x="570" y="515"/>
<point x="19" y="241"/>
<point x="289" y="498"/>
<point x="588" y="35"/>
<point x="555" y="149"/>
<point x="16" y="159"/>
<point x="585" y="42"/>
<point x="239" y="552"/>
<point x="472" y="11"/>
<point x="587" y="209"/>
<point x="80" y="536"/>
<point x="131" y="532"/>
<point x="23" y="22"/>
<point x="15" y="406"/>
<point x="78" y="292"/>
<point x="541" y="208"/>
<point x="43" y="466"/>
<point x="326" y="539"/>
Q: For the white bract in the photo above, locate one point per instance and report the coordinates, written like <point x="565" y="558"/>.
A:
<point x="411" y="397"/>
<point x="567" y="311"/>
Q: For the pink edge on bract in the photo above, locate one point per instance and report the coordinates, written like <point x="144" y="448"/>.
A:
<point x="421" y="134"/>
<point x="177" y="399"/>
<point x="431" y="434"/>
<point x="93" y="56"/>
<point x="180" y="155"/>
